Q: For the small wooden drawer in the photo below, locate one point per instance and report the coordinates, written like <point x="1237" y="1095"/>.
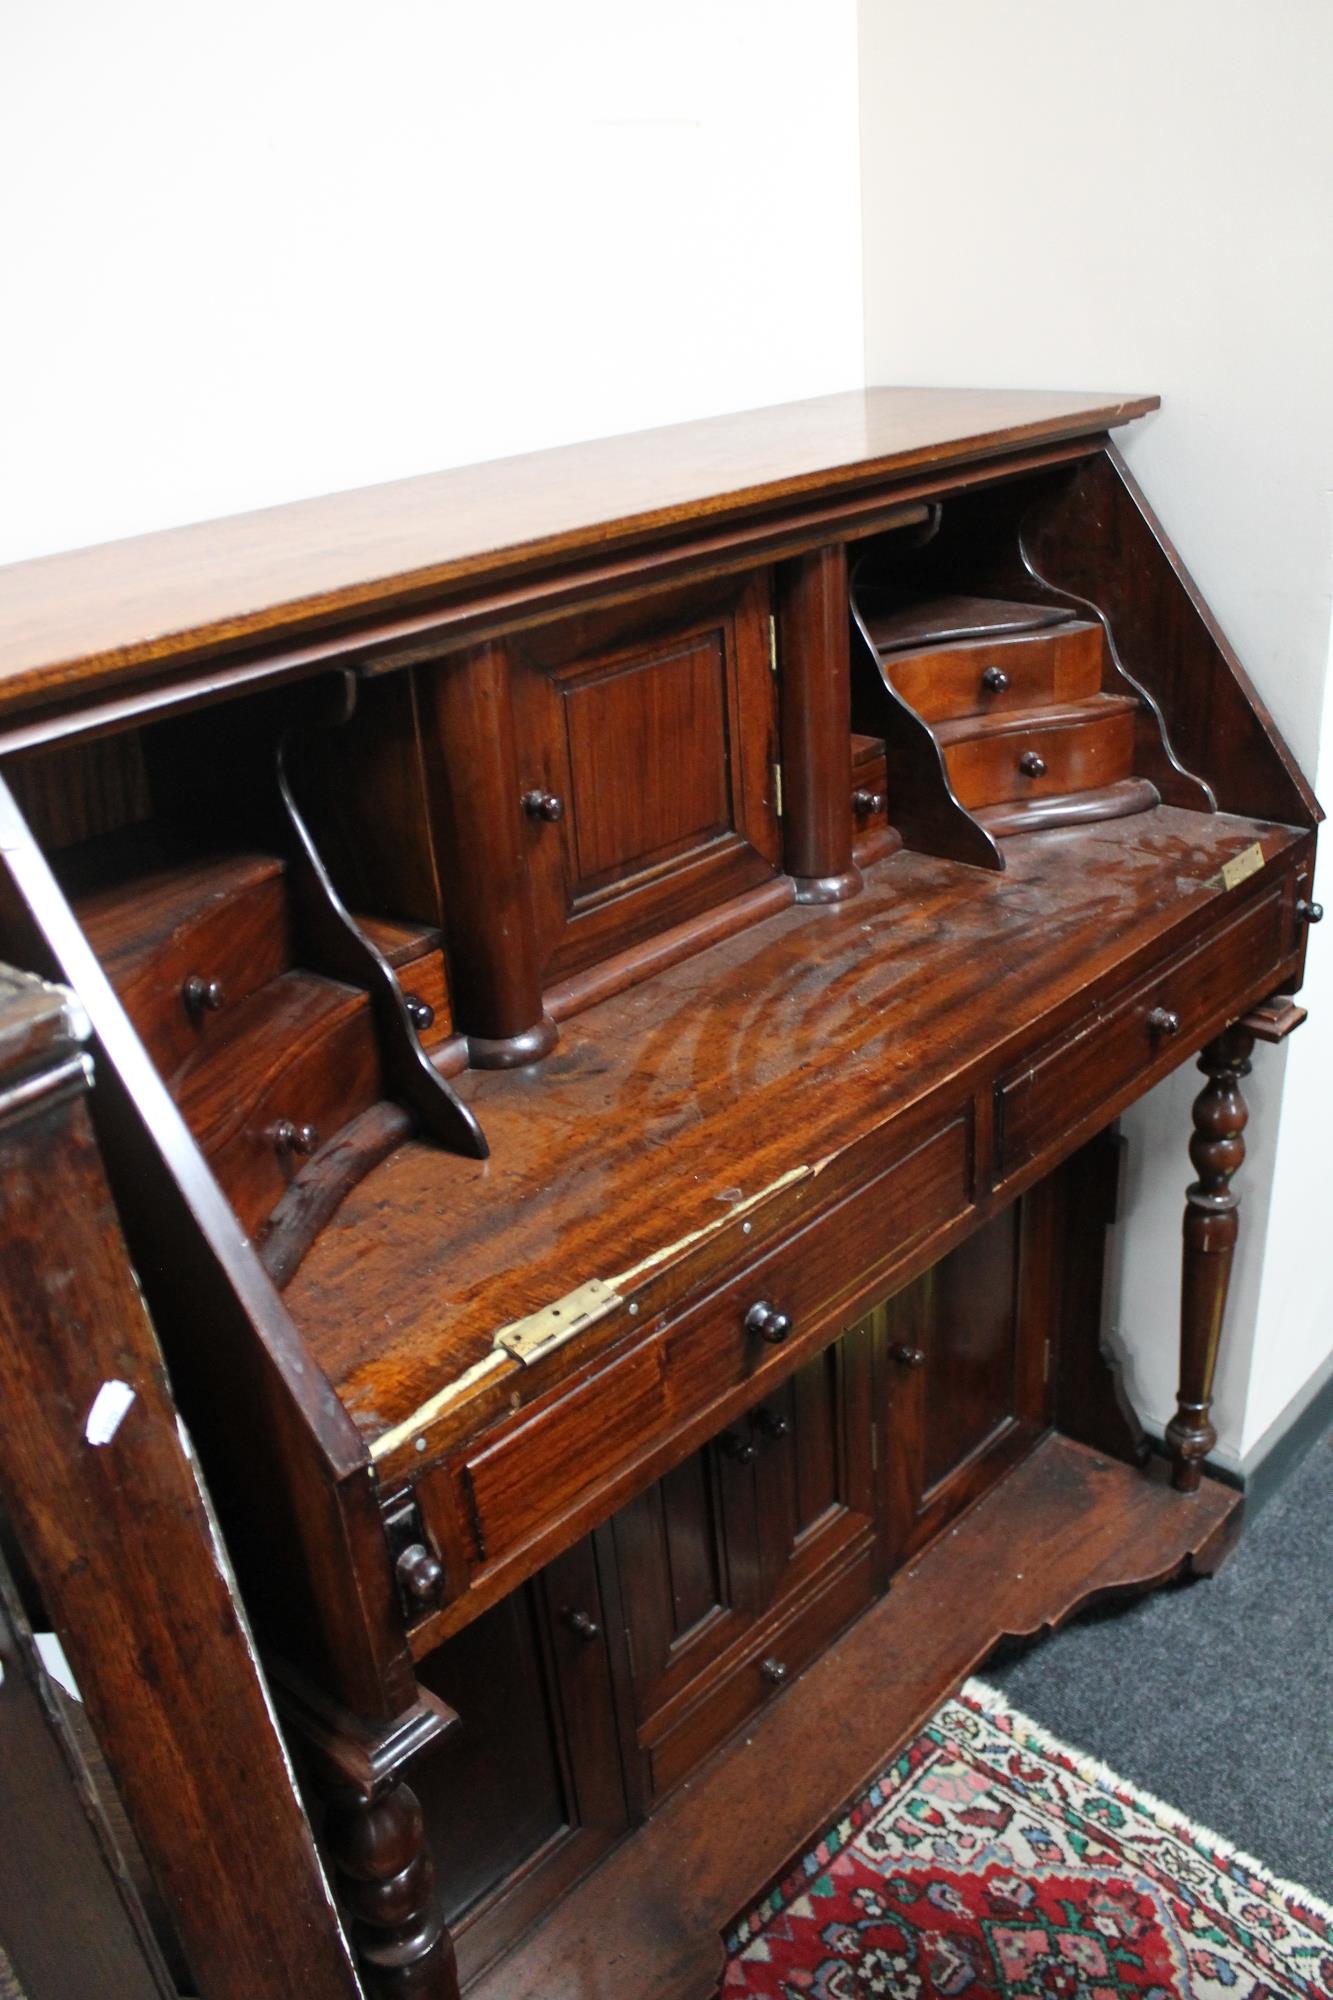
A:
<point x="1041" y="753"/>
<point x="222" y="924"/>
<point x="1167" y="1016"/>
<point x="772" y="1659"/>
<point x="532" y="1474"/>
<point x="991" y="676"/>
<point x="808" y="1280"/>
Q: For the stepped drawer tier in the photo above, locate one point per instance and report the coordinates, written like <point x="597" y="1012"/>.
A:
<point x="185" y="944"/>
<point x="294" y="1064"/>
<point x="1040" y="753"/>
<point x="991" y="676"/>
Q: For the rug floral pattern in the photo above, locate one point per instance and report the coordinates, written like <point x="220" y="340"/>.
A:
<point x="991" y="1860"/>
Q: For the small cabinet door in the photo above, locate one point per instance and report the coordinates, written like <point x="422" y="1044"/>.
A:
<point x="652" y="734"/>
<point x="527" y="1792"/>
<point x="964" y="1354"/>
<point x="736" y="1569"/>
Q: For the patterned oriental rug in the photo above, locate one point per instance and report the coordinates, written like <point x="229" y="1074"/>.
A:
<point x="992" y="1860"/>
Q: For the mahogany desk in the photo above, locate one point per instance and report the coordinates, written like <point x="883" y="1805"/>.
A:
<point x="611" y="975"/>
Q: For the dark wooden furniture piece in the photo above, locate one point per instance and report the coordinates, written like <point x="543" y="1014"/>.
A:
<point x="611" y="976"/>
<point x="100" y="1488"/>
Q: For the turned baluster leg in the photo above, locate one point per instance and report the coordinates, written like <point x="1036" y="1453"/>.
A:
<point x="386" y="1888"/>
<point x="1217" y="1149"/>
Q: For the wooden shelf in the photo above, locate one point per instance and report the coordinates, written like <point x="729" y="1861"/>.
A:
<point x="1065" y="1528"/>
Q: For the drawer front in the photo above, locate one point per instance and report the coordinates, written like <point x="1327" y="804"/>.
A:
<point x="1045" y="760"/>
<point x="771" y="1661"/>
<point x="1060" y="666"/>
<point x="1094" y="1064"/>
<point x="810" y="1276"/>
<point x="235" y="943"/>
<point x="527" y="1479"/>
<point x="555" y="1459"/>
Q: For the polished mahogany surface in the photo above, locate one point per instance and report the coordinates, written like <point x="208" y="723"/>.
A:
<point x="610" y="975"/>
<point x="669" y="1106"/>
<point x="91" y="618"/>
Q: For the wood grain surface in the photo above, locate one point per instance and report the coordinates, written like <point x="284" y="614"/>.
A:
<point x="93" y="616"/>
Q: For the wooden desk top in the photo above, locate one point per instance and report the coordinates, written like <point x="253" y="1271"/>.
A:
<point x="668" y="1106"/>
<point x="90" y="619"/>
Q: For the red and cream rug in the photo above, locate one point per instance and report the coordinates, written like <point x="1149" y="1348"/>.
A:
<point x="992" y="1860"/>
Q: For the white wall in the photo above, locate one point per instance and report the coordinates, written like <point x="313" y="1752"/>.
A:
<point x="1138" y="197"/>
<point x="280" y="247"/>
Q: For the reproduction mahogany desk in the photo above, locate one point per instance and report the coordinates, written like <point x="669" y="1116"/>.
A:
<point x="611" y="973"/>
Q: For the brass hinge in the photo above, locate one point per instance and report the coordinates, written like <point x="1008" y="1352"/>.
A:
<point x="777" y="789"/>
<point x="772" y="643"/>
<point x="527" y="1340"/>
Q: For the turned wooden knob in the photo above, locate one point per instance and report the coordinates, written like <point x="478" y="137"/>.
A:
<point x="909" y="1357"/>
<point x="420" y="1573"/>
<point x="765" y="1320"/>
<point x="1309" y="913"/>
<point x="582" y="1626"/>
<point x="865" y="803"/>
<point x="995" y="680"/>
<point x="202" y="996"/>
<point x="772" y="1424"/>
<point x="740" y="1450"/>
<point x="1161" y="1021"/>
<point x="291" y="1138"/>
<point x="543" y="805"/>
<point x="419" y="1012"/>
<point x="1032" y="764"/>
<point x="773" y="1671"/>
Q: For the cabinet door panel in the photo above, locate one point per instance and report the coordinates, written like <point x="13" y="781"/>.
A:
<point x="963" y="1352"/>
<point x="686" y="1557"/>
<point x="656" y="729"/>
<point x="528" y="1792"/>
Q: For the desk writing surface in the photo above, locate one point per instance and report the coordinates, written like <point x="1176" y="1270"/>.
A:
<point x="766" y="1054"/>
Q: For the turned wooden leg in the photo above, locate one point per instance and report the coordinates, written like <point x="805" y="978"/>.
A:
<point x="386" y="1887"/>
<point x="1217" y="1149"/>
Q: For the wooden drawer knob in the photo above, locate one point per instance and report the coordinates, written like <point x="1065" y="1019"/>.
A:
<point x="292" y="1138"/>
<point x="1309" y="913"/>
<point x="772" y="1424"/>
<point x="909" y="1357"/>
<point x="765" y="1320"/>
<point x="420" y="1574"/>
<point x="543" y="805"/>
<point x="419" y="1012"/>
<point x="583" y="1627"/>
<point x="773" y="1671"/>
<point x="1163" y="1023"/>
<point x="740" y="1450"/>
<point x="1032" y="764"/>
<point x="995" y="680"/>
<point x="865" y="803"/>
<point x="202" y="996"/>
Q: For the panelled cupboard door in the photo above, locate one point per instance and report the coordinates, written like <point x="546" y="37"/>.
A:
<point x="651" y="731"/>
<point x="737" y="1568"/>
<point x="528" y="1792"/>
<point x="965" y="1357"/>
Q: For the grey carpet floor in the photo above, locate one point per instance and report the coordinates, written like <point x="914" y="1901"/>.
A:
<point x="1217" y="1696"/>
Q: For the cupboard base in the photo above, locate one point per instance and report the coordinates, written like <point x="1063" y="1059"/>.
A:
<point x="1066" y="1527"/>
